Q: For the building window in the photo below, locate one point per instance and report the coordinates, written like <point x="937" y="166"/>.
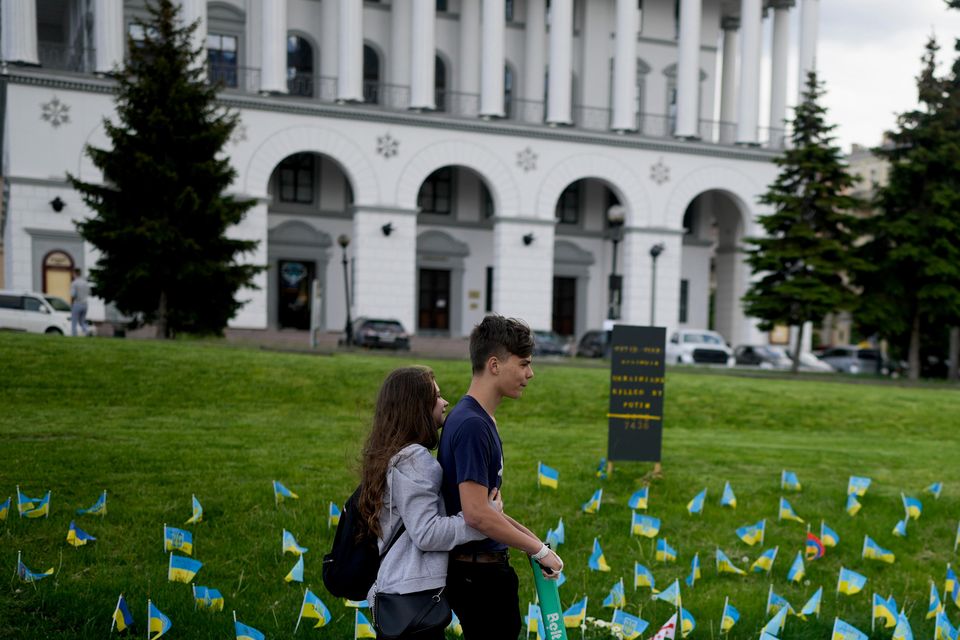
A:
<point x="508" y="10"/>
<point x="440" y="84"/>
<point x="57" y="274"/>
<point x="299" y="66"/>
<point x="568" y="206"/>
<point x="441" y="5"/>
<point x="684" y="300"/>
<point x="436" y="194"/>
<point x="488" y="306"/>
<point x="640" y="16"/>
<point x="371" y="75"/>
<point x="507" y="91"/>
<point x="676" y="19"/>
<point x="297" y="178"/>
<point x="222" y="58"/>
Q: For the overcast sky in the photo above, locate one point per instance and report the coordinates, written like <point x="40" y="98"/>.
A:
<point x="869" y="56"/>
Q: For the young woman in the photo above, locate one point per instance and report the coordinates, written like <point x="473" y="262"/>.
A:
<point x="401" y="485"/>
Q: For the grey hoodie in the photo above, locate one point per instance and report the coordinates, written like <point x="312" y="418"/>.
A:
<point x="418" y="560"/>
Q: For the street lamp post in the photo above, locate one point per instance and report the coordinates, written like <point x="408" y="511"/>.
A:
<point x="344" y="241"/>
<point x="655" y="252"/>
<point x="615" y="217"/>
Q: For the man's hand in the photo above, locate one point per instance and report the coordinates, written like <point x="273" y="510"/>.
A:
<point x="552" y="562"/>
<point x="496" y="500"/>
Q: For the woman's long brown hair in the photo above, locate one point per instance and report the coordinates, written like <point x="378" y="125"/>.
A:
<point x="403" y="416"/>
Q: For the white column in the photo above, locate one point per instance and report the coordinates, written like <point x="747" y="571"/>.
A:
<point x="253" y="314"/>
<point x="728" y="87"/>
<point x="688" y="71"/>
<point x="534" y="60"/>
<point x="529" y="297"/>
<point x="778" y="71"/>
<point x="749" y="98"/>
<point x="401" y="20"/>
<point x="350" y="63"/>
<point x="469" y="104"/>
<point x="19" y="32"/>
<point x="385" y="267"/>
<point x="423" y="54"/>
<point x="640" y="295"/>
<point x="273" y="46"/>
<point x="491" y="62"/>
<point x="108" y="35"/>
<point x="809" y="21"/>
<point x="559" y="77"/>
<point x="329" y="50"/>
<point x="625" y="68"/>
<point x="196" y="11"/>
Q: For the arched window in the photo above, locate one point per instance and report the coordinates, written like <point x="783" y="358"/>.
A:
<point x="371" y="75"/>
<point x="57" y="274"/>
<point x="440" y="84"/>
<point x="436" y="193"/>
<point x="507" y="91"/>
<point x="299" y="66"/>
<point x="297" y="178"/>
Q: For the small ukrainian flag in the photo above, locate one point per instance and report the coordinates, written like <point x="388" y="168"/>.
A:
<point x="873" y="551"/>
<point x="122" y="618"/>
<point x="290" y="544"/>
<point x="640" y="498"/>
<point x="776" y="602"/>
<point x="576" y="614"/>
<point x="333" y="515"/>
<point x="903" y="630"/>
<point x="664" y="552"/>
<point x="858" y="486"/>
<point x="729" y="617"/>
<point x="850" y="582"/>
<point x="812" y="607"/>
<point x="182" y="569"/>
<point x="593" y="504"/>
<point x="33" y="507"/>
<point x="207" y="598"/>
<point x="900" y="529"/>
<point x="641" y="525"/>
<point x="197" y="512"/>
<point x="764" y="563"/>
<point x="787" y="512"/>
<point x="245" y="632"/>
<point x="935" y="490"/>
<point x="935" y="605"/>
<point x="691" y="579"/>
<point x="602" y="469"/>
<point x="627" y="626"/>
<point x="616" y="598"/>
<point x="846" y="631"/>
<point x="853" y="505"/>
<point x="99" y="507"/>
<point x="313" y="607"/>
<point x="597" y="562"/>
<point x="547" y="476"/>
<point x="696" y="505"/>
<point x="27" y="575"/>
<point x="175" y="539"/>
<point x="280" y="492"/>
<point x="77" y="536"/>
<point x="687" y="622"/>
<point x="296" y="574"/>
<point x="828" y="536"/>
<point x="671" y="594"/>
<point x="362" y="627"/>
<point x="724" y="565"/>
<point x="913" y="506"/>
<point x="775" y="625"/>
<point x="642" y="577"/>
<point x="356" y="604"/>
<point x="728" y="499"/>
<point x="455" y="627"/>
<point x="5" y="509"/>
<point x="752" y="533"/>
<point x="797" y="570"/>
<point x="789" y="481"/>
<point x="156" y="622"/>
<point x="882" y="609"/>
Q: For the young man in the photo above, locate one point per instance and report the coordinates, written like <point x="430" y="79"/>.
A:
<point x="79" y="293"/>
<point x="481" y="585"/>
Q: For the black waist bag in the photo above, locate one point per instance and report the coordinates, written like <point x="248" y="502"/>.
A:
<point x="408" y="615"/>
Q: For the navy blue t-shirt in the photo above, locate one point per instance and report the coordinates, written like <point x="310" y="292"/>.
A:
<point x="470" y="450"/>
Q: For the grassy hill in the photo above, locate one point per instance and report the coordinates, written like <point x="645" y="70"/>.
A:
<point x="154" y="423"/>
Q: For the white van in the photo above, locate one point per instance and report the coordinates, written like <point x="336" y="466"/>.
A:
<point x="27" y="311"/>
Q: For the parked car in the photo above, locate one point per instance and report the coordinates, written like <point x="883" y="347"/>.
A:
<point x="550" y="343"/>
<point x="763" y="356"/>
<point x="699" y="346"/>
<point x="61" y="308"/>
<point x="375" y="333"/>
<point x="28" y="311"/>
<point x="811" y="363"/>
<point x="594" y="344"/>
<point x="855" y="360"/>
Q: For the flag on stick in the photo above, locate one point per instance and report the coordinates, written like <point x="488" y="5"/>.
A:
<point x="156" y="622"/>
<point x="729" y="617"/>
<point x="182" y="569"/>
<point x="873" y="551"/>
<point x="640" y="498"/>
<point x="280" y="493"/>
<point x="197" y="512"/>
<point x="296" y="573"/>
<point x="728" y="499"/>
<point x="752" y="533"/>
<point x="175" y="539"/>
<point x="786" y="511"/>
<point x="850" y="582"/>
<point x="643" y="525"/>
<point x="597" y="562"/>
<point x="764" y="563"/>
<point x="724" y="565"/>
<point x="789" y="481"/>
<point x="77" y="536"/>
<point x="812" y="607"/>
<point x="797" y="570"/>
<point x="122" y="618"/>
<point x="846" y="631"/>
<point x="696" y="505"/>
<point x="244" y="631"/>
<point x="99" y="507"/>
<point x="593" y="504"/>
<point x="853" y="505"/>
<point x="548" y="476"/>
<point x="828" y="536"/>
<point x="313" y="607"/>
<point x="858" y="486"/>
<point x="665" y="553"/>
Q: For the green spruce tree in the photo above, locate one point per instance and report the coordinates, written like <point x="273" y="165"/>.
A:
<point x="800" y="263"/>
<point x="911" y="286"/>
<point x="161" y="212"/>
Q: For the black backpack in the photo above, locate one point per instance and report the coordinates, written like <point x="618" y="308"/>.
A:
<point x="351" y="567"/>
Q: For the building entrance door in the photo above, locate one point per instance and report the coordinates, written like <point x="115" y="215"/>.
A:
<point x="293" y="293"/>
<point x="564" y="305"/>
<point x="434" y="302"/>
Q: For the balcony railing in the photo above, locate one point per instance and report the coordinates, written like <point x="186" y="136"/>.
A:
<point x="63" y="57"/>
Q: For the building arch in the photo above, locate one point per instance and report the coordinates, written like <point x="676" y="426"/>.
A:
<point x="286" y="142"/>
<point x="624" y="183"/>
<point x="494" y="173"/>
<point x="741" y="189"/>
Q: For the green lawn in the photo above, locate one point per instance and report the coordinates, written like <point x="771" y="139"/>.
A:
<point x="154" y="423"/>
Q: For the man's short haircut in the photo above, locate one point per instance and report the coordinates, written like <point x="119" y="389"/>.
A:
<point x="500" y="337"/>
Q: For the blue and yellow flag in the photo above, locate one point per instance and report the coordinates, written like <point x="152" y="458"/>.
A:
<point x="728" y="499"/>
<point x="881" y="609"/>
<point x="77" y="536"/>
<point x="597" y="562"/>
<point x="687" y="623"/>
<point x="362" y="627"/>
<point x="950" y="582"/>
<point x="729" y="617"/>
<point x="616" y="598"/>
<point x="943" y="629"/>
<point x="846" y="631"/>
<point x="935" y="605"/>
<point x="789" y="481"/>
<point x="764" y="563"/>
<point x="873" y="551"/>
<point x="455" y="627"/>
<point x="5" y="509"/>
<point x="935" y="490"/>
<point x="27" y="575"/>
<point x="900" y="529"/>
<point x="576" y="614"/>
<point x="853" y="505"/>
<point x="555" y="537"/>
<point x="356" y="604"/>
<point x="99" y="507"/>
<point x="313" y="607"/>
<point x="296" y="573"/>
<point x="280" y="492"/>
<point x="547" y="476"/>
<point x="534" y="621"/>
<point x="156" y="622"/>
<point x="175" y="539"/>
<point x="290" y="544"/>
<point x="850" y="582"/>
<point x="776" y="602"/>
<point x="33" y="507"/>
<point x="903" y="630"/>
<point x="912" y="506"/>
<point x="197" y="511"/>
<point x="593" y="504"/>
<point x="752" y="533"/>
<point x="691" y="579"/>
<point x="602" y="469"/>
<point x="640" y="498"/>
<point x="797" y="570"/>
<point x="627" y="626"/>
<point x="244" y="631"/>
<point x="828" y="536"/>
<point x="182" y="569"/>
<point x="207" y="598"/>
<point x="671" y="594"/>
<point x="642" y="525"/>
<point x="25" y="503"/>
<point x="724" y="565"/>
<point x="696" y="504"/>
<point x="786" y="511"/>
<point x="122" y="618"/>
<point x="956" y="541"/>
<point x="812" y="607"/>
<point x="665" y="553"/>
<point x="775" y="625"/>
<point x="642" y="577"/>
<point x="333" y="515"/>
<point x="858" y="486"/>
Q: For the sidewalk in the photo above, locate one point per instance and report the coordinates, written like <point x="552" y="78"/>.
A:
<point x="294" y="340"/>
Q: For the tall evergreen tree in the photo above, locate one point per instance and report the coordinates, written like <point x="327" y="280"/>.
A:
<point x="800" y="264"/>
<point x="911" y="288"/>
<point x="161" y="213"/>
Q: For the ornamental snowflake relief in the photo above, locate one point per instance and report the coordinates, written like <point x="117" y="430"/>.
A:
<point x="55" y="112"/>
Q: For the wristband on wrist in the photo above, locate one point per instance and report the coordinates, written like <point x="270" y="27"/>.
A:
<point x="539" y="555"/>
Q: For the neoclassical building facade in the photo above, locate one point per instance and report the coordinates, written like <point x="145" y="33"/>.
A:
<point x="523" y="157"/>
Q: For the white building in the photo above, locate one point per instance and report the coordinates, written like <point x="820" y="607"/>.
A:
<point x="471" y="150"/>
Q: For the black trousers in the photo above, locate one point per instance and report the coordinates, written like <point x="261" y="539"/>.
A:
<point x="485" y="598"/>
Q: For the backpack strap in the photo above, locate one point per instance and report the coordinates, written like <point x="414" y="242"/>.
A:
<point x="393" y="540"/>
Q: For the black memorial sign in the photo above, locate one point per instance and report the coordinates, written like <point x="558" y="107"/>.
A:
<point x="635" y="417"/>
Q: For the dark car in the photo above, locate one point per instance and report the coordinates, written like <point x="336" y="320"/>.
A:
<point x="376" y="333"/>
<point x="856" y="360"/>
<point x="763" y="356"/>
<point x="550" y="343"/>
<point x="594" y="344"/>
